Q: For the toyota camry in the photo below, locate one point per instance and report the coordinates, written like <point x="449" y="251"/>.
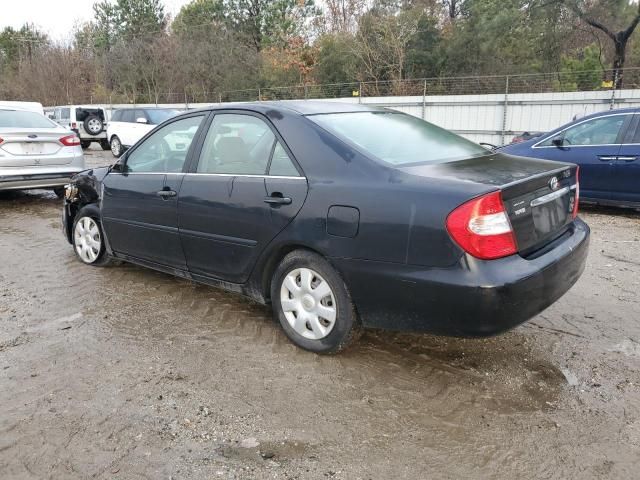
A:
<point x="341" y="217"/>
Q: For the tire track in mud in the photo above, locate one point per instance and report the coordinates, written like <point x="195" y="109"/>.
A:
<point x="139" y="305"/>
<point x="125" y="336"/>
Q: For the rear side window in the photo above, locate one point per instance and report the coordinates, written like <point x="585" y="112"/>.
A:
<point x="65" y="113"/>
<point x="236" y="144"/>
<point x="397" y="138"/>
<point x="20" y="119"/>
<point x="281" y="164"/>
<point x="128" y="116"/>
<point x="116" y="116"/>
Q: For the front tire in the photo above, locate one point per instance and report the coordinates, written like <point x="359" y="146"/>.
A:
<point x="88" y="239"/>
<point x="313" y="304"/>
<point x="116" y="146"/>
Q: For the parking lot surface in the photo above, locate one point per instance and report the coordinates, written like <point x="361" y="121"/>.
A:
<point x="126" y="373"/>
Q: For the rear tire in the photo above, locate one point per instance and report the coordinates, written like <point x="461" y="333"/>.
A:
<point x="84" y="144"/>
<point x="104" y="143"/>
<point x="116" y="146"/>
<point x="88" y="239"/>
<point x="313" y="304"/>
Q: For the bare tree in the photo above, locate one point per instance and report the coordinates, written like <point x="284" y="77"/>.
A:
<point x="619" y="38"/>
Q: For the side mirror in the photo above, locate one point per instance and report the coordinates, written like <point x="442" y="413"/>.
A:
<point x="558" y="142"/>
<point x="120" y="165"/>
<point x="141" y="120"/>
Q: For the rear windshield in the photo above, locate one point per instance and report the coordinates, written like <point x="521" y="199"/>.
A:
<point x="20" y="119"/>
<point x="397" y="138"/>
<point x="158" y="116"/>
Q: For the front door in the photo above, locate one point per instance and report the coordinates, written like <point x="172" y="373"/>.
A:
<point x="229" y="206"/>
<point x="139" y="203"/>
<point x="593" y="145"/>
<point x="625" y="185"/>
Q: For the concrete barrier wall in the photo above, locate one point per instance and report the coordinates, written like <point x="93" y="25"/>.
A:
<point x="494" y="118"/>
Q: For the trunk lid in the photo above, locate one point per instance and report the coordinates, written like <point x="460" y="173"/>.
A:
<point x="538" y="194"/>
<point x="29" y="147"/>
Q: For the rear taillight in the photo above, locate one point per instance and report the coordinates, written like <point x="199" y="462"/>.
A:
<point x="481" y="227"/>
<point x="576" y="198"/>
<point x="74" y="125"/>
<point x="1" y="140"/>
<point x="70" y="141"/>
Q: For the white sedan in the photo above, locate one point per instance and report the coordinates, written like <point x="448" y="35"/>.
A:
<point x="36" y="152"/>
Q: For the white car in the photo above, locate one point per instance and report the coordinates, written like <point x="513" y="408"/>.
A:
<point x="88" y="122"/>
<point x="36" y="152"/>
<point x="128" y="125"/>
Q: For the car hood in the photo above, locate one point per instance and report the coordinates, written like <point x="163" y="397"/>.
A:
<point x="491" y="170"/>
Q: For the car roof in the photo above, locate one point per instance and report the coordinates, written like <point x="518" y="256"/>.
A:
<point x="302" y="107"/>
<point x="609" y="112"/>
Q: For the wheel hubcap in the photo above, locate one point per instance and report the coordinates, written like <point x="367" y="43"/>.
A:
<point x="308" y="303"/>
<point x="87" y="240"/>
<point x="115" y="146"/>
<point x="94" y="125"/>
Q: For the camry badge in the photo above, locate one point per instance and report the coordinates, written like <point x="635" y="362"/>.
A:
<point x="553" y="183"/>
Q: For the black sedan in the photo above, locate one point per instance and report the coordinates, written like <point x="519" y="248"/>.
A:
<point x="340" y="216"/>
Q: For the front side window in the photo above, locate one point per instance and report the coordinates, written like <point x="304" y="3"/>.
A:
<point x="397" y="138"/>
<point x="597" y="131"/>
<point x="236" y="144"/>
<point x="165" y="150"/>
<point x="140" y="115"/>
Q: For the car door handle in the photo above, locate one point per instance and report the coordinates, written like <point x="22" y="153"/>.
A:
<point x="624" y="158"/>
<point x="277" y="200"/>
<point x="166" y="193"/>
<point x="607" y="158"/>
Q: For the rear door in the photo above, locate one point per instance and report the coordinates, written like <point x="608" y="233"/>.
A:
<point x="139" y="204"/>
<point x="593" y="144"/>
<point x="126" y="128"/>
<point x="229" y="207"/>
<point x="625" y="182"/>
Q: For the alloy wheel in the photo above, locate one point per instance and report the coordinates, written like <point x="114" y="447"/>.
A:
<point x="115" y="146"/>
<point x="308" y="303"/>
<point x="87" y="240"/>
<point x="94" y="125"/>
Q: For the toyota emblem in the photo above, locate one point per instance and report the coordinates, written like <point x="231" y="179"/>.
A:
<point x="553" y="183"/>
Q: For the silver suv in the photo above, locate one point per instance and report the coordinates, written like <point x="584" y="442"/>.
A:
<point x="88" y="122"/>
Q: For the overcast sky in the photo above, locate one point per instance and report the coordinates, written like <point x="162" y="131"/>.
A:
<point x="57" y="17"/>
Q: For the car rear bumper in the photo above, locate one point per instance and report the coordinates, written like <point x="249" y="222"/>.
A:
<point x="36" y="180"/>
<point x="473" y="298"/>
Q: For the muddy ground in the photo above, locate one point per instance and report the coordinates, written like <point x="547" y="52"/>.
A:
<point x="128" y="373"/>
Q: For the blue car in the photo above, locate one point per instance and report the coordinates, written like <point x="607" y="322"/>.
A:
<point x="606" y="146"/>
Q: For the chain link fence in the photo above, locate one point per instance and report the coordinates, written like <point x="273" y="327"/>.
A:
<point x="594" y="80"/>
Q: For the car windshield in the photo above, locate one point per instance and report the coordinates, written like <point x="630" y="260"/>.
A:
<point x="397" y="138"/>
<point x="20" y="119"/>
<point x="158" y="116"/>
